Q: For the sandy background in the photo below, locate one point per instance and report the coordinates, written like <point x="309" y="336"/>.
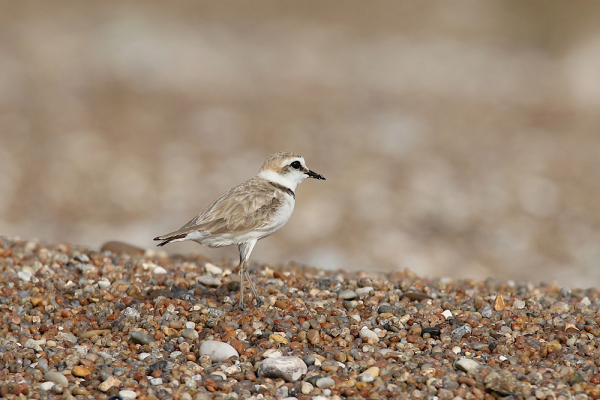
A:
<point x="458" y="139"/>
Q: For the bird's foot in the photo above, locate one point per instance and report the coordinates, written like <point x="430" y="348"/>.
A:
<point x="241" y="305"/>
<point x="259" y="301"/>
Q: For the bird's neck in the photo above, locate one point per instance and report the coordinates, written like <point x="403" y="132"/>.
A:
<point x="278" y="179"/>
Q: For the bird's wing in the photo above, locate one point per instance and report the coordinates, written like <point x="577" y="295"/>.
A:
<point x="251" y="205"/>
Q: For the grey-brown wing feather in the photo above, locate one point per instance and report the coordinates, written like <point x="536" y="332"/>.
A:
<point x="246" y="207"/>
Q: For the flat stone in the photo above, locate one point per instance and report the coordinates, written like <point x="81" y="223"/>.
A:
<point x="461" y="331"/>
<point x="217" y="351"/>
<point x="467" y="365"/>
<point x="128" y="394"/>
<point x="289" y="368"/>
<point x="209" y="280"/>
<point x="46" y="386"/>
<point x="56" y="377"/>
<point x="213" y="269"/>
<point x="141" y="337"/>
<point x="110" y="382"/>
<point x="347" y="294"/>
<point x="363" y="291"/>
<point x="325" y="382"/>
<point x="80" y="371"/>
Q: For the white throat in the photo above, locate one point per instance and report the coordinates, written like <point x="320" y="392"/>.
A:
<point x="288" y="181"/>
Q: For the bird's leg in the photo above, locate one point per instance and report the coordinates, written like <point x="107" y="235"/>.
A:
<point x="259" y="300"/>
<point x="245" y="250"/>
<point x="242" y="267"/>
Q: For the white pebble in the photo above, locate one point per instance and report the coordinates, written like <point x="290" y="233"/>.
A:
<point x="142" y="356"/>
<point x="156" y="381"/>
<point x="369" y="334"/>
<point x="456" y="350"/>
<point x="519" y="304"/>
<point x="159" y="271"/>
<point x="46" y="386"/>
<point x="447" y="314"/>
<point x="290" y="368"/>
<point x="271" y="353"/>
<point x="128" y="394"/>
<point x="190" y="325"/>
<point x="25" y="275"/>
<point x="217" y="351"/>
<point x="213" y="269"/>
<point x="103" y="283"/>
<point x="586" y="302"/>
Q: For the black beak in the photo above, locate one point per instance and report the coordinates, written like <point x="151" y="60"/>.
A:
<point x="313" y="174"/>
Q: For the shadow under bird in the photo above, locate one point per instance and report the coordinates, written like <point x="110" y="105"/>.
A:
<point x="249" y="212"/>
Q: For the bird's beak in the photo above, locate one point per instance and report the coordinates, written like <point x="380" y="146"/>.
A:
<point x="313" y="174"/>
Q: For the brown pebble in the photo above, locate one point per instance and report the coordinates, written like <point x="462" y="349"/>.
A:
<point x="80" y="371"/>
<point x="313" y="336"/>
<point x="499" y="303"/>
<point x="415" y="296"/>
<point x="237" y="345"/>
<point x="122" y="248"/>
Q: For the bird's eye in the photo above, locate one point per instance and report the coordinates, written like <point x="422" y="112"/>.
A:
<point x="296" y="165"/>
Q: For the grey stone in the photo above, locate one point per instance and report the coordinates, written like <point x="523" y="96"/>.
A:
<point x="141" y="337"/>
<point x="325" y="382"/>
<point x="56" y="377"/>
<point x="347" y="294"/>
<point x="461" y="331"/>
<point x="191" y="334"/>
<point x="209" y="280"/>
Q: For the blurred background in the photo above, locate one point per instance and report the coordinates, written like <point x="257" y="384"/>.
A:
<point x="458" y="139"/>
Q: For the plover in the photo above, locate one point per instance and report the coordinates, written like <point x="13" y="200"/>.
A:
<point x="249" y="212"/>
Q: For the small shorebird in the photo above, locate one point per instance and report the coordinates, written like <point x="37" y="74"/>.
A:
<point x="249" y="212"/>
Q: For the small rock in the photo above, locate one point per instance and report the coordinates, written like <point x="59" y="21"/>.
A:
<point x="46" y="386"/>
<point x="518" y="304"/>
<point x="499" y="303"/>
<point x="122" y="248"/>
<point x="503" y="382"/>
<point x="272" y="353"/>
<point x="110" y="382"/>
<point x="363" y="291"/>
<point x="467" y="365"/>
<point x="217" y="351"/>
<point x="128" y="394"/>
<point x="156" y="381"/>
<point x="25" y="275"/>
<point x="131" y="312"/>
<point x="369" y="334"/>
<point x="289" y="368"/>
<point x="386" y="308"/>
<point x="141" y="337"/>
<point x="159" y="270"/>
<point x="56" y="377"/>
<point x="373" y="371"/>
<point x="103" y="283"/>
<point x="190" y="333"/>
<point x="366" y="377"/>
<point x="447" y="314"/>
<point x="461" y="331"/>
<point x="486" y="312"/>
<point x="213" y="269"/>
<point x="209" y="280"/>
<point x="325" y="382"/>
<point x="347" y="294"/>
<point x="80" y="371"/>
<point x="306" y="388"/>
<point x="313" y="336"/>
<point x="586" y="302"/>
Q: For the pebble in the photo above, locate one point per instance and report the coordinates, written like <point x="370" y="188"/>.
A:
<point x="289" y="368"/>
<point x="103" y="283"/>
<point x="467" y="365"/>
<point x="447" y="314"/>
<point x="217" y="351"/>
<point x="461" y="331"/>
<point x="56" y="377"/>
<point x="213" y="269"/>
<point x="46" y="386"/>
<point x="209" y="280"/>
<point x="503" y="382"/>
<point x="141" y="337"/>
<point x="325" y="382"/>
<point x="158" y="270"/>
<point x="110" y="382"/>
<point x="80" y="371"/>
<point x="128" y="394"/>
<point x="347" y="294"/>
<point x="371" y="336"/>
<point x="363" y="291"/>
<point x="190" y="333"/>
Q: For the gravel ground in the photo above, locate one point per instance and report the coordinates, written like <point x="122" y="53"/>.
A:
<point x="128" y="323"/>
